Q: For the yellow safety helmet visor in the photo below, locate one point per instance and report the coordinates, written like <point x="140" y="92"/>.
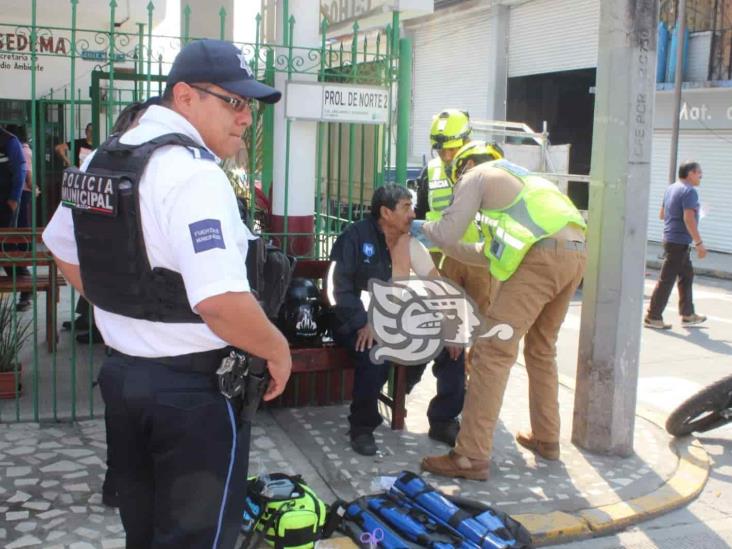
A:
<point x="478" y="151"/>
<point x="450" y="129"/>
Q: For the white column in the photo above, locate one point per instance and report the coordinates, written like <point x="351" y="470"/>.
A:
<point x="205" y="21"/>
<point x="300" y="189"/>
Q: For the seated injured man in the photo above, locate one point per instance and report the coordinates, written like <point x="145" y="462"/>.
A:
<point x="379" y="247"/>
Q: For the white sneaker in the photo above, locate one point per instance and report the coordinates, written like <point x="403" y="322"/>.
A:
<point x="693" y="320"/>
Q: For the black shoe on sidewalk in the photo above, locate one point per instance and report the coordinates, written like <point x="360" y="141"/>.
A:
<point x="444" y="431"/>
<point x="80" y="324"/>
<point x="96" y="337"/>
<point x="364" y="444"/>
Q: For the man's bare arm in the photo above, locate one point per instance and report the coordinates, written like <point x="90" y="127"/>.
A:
<point x="662" y="214"/>
<point x="691" y="226"/>
<point x="71" y="273"/>
<point x="237" y="318"/>
<point x="62" y="150"/>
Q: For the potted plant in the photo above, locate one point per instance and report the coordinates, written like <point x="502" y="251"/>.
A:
<point x="14" y="332"/>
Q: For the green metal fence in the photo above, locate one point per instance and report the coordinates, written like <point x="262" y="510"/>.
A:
<point x="351" y="160"/>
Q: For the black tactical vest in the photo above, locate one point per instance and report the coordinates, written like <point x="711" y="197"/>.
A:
<point x="115" y="270"/>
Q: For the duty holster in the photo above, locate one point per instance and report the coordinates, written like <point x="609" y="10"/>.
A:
<point x="243" y="379"/>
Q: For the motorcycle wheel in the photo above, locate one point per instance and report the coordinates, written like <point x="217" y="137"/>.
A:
<point x="702" y="411"/>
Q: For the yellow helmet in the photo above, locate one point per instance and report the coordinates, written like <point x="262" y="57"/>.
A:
<point x="478" y="151"/>
<point x="450" y="129"/>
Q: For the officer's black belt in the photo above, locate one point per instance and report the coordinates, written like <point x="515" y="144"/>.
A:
<point x="206" y="362"/>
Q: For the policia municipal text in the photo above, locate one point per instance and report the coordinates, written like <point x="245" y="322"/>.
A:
<point x="163" y="262"/>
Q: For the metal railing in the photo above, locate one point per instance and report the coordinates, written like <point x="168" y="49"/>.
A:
<point x="351" y="161"/>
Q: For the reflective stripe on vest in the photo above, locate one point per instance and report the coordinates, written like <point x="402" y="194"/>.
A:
<point x="539" y="211"/>
<point x="439" y="198"/>
<point x="440" y="190"/>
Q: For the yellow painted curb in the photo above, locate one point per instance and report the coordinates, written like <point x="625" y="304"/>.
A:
<point x="554" y="527"/>
<point x="685" y="484"/>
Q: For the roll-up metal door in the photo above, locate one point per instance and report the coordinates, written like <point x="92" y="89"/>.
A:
<point x="712" y="150"/>
<point x="552" y="36"/>
<point x="450" y="67"/>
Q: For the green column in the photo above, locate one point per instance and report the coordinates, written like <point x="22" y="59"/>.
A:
<point x="403" y="105"/>
<point x="268" y="145"/>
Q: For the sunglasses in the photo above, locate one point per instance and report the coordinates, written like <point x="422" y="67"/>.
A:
<point x="239" y="105"/>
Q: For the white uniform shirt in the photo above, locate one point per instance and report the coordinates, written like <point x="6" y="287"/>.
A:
<point x="191" y="225"/>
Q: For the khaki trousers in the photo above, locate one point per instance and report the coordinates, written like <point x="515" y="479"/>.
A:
<point x="477" y="281"/>
<point x="534" y="302"/>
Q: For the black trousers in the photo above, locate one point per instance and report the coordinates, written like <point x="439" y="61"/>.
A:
<point x="369" y="378"/>
<point x="179" y="454"/>
<point x="676" y="265"/>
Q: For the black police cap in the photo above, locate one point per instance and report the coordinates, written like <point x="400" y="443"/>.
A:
<point x="221" y="63"/>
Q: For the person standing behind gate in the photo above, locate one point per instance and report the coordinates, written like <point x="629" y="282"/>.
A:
<point x="680" y="214"/>
<point x="82" y="148"/>
<point x="171" y="298"/>
<point x="13" y="170"/>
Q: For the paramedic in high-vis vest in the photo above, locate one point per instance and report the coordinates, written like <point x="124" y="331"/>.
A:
<point x="535" y="249"/>
<point x="451" y="130"/>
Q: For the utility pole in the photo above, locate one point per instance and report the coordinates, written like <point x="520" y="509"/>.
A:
<point x="607" y="369"/>
<point x="678" y="79"/>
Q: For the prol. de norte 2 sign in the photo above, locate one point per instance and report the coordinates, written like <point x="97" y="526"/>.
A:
<point x="337" y="102"/>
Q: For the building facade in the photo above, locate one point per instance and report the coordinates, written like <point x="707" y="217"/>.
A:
<point x="535" y="60"/>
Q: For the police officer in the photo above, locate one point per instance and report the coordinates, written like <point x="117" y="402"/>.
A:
<point x="151" y="234"/>
<point x="374" y="248"/>
<point x="535" y="247"/>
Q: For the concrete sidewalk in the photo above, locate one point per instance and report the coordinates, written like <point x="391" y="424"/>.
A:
<point x="715" y="264"/>
<point x="51" y="475"/>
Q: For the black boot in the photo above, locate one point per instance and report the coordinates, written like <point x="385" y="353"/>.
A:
<point x="444" y="431"/>
<point x="109" y="490"/>
<point x="363" y="443"/>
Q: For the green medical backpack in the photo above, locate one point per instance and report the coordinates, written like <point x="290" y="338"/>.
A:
<point x="285" y="511"/>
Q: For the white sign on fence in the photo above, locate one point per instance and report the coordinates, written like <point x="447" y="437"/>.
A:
<point x="337" y="102"/>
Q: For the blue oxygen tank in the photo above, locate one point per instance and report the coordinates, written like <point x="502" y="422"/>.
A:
<point x="671" y="65"/>
<point x="663" y="36"/>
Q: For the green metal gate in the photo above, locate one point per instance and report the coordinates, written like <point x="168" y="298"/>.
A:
<point x="351" y="160"/>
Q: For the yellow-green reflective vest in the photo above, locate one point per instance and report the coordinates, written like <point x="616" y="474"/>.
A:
<point x="539" y="211"/>
<point x="439" y="197"/>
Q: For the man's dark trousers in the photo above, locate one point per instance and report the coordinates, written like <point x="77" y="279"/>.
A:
<point x="369" y="378"/>
<point x="179" y="455"/>
<point x="676" y="263"/>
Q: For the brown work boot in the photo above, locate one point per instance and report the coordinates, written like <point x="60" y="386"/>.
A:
<point x="455" y="465"/>
<point x="547" y="450"/>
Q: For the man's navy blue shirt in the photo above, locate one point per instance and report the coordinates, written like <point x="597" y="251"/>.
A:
<point x="360" y="254"/>
<point x="679" y="196"/>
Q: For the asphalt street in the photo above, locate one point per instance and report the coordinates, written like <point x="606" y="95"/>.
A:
<point x="674" y="365"/>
